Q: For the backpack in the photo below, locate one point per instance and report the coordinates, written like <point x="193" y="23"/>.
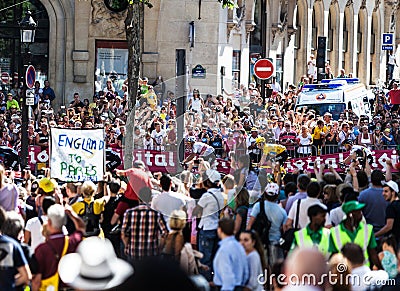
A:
<point x="262" y="224"/>
<point x="52" y="282"/>
<point x="92" y="221"/>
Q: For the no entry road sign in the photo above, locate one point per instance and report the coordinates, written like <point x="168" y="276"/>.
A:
<point x="263" y="69"/>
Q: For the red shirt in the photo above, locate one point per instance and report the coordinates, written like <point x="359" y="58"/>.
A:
<point x="138" y="179"/>
<point x="394" y="96"/>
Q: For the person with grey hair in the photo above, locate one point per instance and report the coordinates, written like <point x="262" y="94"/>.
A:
<point x="48" y="254"/>
<point x="295" y="269"/>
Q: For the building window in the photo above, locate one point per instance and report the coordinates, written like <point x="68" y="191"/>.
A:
<point x="372" y="37"/>
<point x="345" y="35"/>
<point x="372" y="43"/>
<point x="359" y="36"/>
<point x="236" y="65"/>
<point x="279" y="69"/>
<point x="111" y="64"/>
<point x="297" y="38"/>
<point x="10" y="46"/>
<point x="330" y="33"/>
<point x="314" y="33"/>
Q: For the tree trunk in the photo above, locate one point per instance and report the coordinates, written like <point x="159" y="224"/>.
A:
<point x="134" y="37"/>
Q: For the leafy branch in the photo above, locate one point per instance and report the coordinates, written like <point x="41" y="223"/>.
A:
<point x="227" y="4"/>
<point x="145" y="2"/>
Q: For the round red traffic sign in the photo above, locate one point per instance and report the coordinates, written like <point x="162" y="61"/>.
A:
<point x="5" y="77"/>
<point x="263" y="69"/>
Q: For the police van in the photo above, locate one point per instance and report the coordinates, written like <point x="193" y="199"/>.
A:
<point x="335" y="96"/>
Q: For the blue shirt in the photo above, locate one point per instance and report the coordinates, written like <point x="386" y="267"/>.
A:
<point x="230" y="265"/>
<point x="13" y="259"/>
<point x="49" y="91"/>
<point x="292" y="199"/>
<point x="276" y="214"/>
<point x="375" y="207"/>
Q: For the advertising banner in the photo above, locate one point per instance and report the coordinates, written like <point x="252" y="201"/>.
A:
<point x="333" y="160"/>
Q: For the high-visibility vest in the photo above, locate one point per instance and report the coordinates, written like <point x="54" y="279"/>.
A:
<point x="340" y="238"/>
<point x="304" y="240"/>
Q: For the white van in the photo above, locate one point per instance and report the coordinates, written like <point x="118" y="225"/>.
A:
<point x="335" y="96"/>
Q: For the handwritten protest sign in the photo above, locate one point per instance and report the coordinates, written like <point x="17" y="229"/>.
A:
<point x="77" y="155"/>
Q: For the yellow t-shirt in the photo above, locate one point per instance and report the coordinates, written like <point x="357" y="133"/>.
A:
<point x="317" y="132"/>
<point x="273" y="149"/>
<point x="98" y="206"/>
<point x="151" y="98"/>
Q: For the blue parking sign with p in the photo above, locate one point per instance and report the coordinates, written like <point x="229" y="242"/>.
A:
<point x="387" y="41"/>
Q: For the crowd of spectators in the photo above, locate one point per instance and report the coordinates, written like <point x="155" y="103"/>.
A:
<point x="201" y="220"/>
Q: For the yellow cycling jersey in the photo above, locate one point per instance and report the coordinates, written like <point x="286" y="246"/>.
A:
<point x="273" y="149"/>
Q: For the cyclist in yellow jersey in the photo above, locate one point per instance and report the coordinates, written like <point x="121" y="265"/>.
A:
<point x="271" y="152"/>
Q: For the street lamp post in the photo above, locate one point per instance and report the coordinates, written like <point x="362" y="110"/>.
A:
<point x="27" y="28"/>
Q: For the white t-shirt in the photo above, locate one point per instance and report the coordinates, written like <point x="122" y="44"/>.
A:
<point x="158" y="136"/>
<point x="392" y="60"/>
<point x="196" y="104"/>
<point x="166" y="202"/>
<point x="34" y="226"/>
<point x="312" y="68"/>
<point x="203" y="149"/>
<point x="358" y="147"/>
<point x="209" y="219"/>
<point x="303" y="217"/>
<point x="251" y="140"/>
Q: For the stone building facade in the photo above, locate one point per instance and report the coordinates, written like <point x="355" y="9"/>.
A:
<point x="79" y="30"/>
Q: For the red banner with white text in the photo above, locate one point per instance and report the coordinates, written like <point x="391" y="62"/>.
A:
<point x="158" y="161"/>
<point x="379" y="161"/>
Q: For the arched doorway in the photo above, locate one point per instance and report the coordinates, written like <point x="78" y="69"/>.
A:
<point x="12" y="11"/>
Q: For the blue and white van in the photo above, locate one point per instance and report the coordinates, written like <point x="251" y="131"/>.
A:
<point x="335" y="96"/>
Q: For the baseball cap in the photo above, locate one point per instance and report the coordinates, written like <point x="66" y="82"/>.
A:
<point x="392" y="185"/>
<point x="351" y="206"/>
<point x="213" y="175"/>
<point x="272" y="189"/>
<point x="46" y="185"/>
